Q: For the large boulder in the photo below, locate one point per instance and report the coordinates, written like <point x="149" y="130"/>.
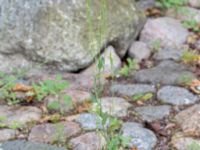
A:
<point x="56" y="32"/>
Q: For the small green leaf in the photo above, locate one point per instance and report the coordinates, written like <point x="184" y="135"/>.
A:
<point x="137" y="97"/>
<point x="127" y="68"/>
<point x="55" y="105"/>
<point x="147" y="96"/>
<point x="68" y="100"/>
<point x="142" y="96"/>
<point x="101" y="63"/>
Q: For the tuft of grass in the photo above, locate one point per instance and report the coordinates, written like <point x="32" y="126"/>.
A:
<point x="49" y="87"/>
<point x="110" y="132"/>
<point x="7" y="82"/>
<point x="155" y="45"/>
<point x="185" y="79"/>
<point x="166" y="4"/>
<point x="55" y="105"/>
<point x="41" y="89"/>
<point x="190" y="57"/>
<point x="192" y="25"/>
<point x="129" y="67"/>
<point x="118" y="141"/>
<point x="114" y="139"/>
<point x="59" y="136"/>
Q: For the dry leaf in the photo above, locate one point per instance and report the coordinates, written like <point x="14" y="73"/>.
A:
<point x="157" y="127"/>
<point x="153" y="12"/>
<point x="27" y="90"/>
<point x="140" y="102"/>
<point x="192" y="39"/>
<point x="83" y="108"/>
<point x="51" y="118"/>
<point x="134" y="148"/>
<point x="195" y="86"/>
<point x="21" y="88"/>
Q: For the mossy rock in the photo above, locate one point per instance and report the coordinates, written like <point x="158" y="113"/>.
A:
<point x="57" y="32"/>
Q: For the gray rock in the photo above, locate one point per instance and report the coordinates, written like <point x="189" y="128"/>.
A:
<point x="22" y="81"/>
<point x="115" y="106"/>
<point x="88" y="141"/>
<point x="56" y="32"/>
<point x="139" y="51"/>
<point x="168" y="31"/>
<point x="169" y="53"/>
<point x="89" y="121"/>
<point x="180" y="142"/>
<point x="12" y="62"/>
<point x="81" y="82"/>
<point x="7" y="134"/>
<point x="112" y="63"/>
<point x="189" y="121"/>
<point x="93" y="71"/>
<point x="194" y="3"/>
<point x="23" y="145"/>
<point x="188" y="14"/>
<point x="191" y="14"/>
<point x="19" y="116"/>
<point x="152" y="113"/>
<point x="92" y="122"/>
<point x="144" y="4"/>
<point x="176" y="95"/>
<point x="132" y="89"/>
<point x="51" y="133"/>
<point x="141" y="137"/>
<point x="167" y="72"/>
<point x="77" y="96"/>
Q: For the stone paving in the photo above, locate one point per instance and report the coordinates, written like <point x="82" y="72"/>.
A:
<point x="21" y="127"/>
